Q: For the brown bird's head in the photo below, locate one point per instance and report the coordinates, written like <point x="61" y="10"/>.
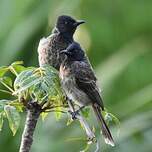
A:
<point x="74" y="52"/>
<point x="66" y="24"/>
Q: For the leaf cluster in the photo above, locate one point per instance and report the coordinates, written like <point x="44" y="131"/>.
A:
<point x="40" y="85"/>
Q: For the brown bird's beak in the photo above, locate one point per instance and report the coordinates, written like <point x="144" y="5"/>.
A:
<point x="79" y="23"/>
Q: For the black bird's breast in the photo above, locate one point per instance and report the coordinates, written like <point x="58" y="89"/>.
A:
<point x="70" y="87"/>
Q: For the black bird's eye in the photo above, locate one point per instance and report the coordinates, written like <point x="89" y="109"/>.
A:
<point x="65" y="23"/>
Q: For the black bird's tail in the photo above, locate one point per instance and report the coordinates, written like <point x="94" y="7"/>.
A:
<point x="104" y="128"/>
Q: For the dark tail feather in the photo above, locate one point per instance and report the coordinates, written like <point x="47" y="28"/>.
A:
<point x="104" y="128"/>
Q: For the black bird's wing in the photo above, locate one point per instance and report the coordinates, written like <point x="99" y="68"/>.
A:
<point x="86" y="81"/>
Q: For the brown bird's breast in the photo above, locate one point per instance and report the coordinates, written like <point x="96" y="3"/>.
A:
<point x="49" y="50"/>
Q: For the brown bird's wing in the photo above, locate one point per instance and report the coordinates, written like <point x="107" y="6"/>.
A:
<point x="86" y="81"/>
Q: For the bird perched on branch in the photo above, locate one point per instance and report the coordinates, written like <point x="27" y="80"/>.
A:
<point x="62" y="35"/>
<point x="79" y="83"/>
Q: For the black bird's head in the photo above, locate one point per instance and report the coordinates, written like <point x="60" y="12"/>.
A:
<point x="74" y="52"/>
<point x="66" y="24"/>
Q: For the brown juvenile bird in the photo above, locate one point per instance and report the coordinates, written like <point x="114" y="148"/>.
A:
<point x="62" y="35"/>
<point x="79" y="83"/>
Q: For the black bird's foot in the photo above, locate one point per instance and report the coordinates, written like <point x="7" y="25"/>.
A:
<point x="74" y="114"/>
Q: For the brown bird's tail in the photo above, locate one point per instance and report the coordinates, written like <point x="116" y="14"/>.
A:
<point x="104" y="128"/>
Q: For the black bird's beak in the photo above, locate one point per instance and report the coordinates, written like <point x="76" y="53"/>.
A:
<point x="79" y="23"/>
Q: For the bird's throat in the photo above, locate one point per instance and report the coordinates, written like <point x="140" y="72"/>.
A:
<point x="67" y="36"/>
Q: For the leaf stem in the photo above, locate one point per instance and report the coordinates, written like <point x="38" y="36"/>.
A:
<point x="13" y="70"/>
<point x="7" y="86"/>
<point x="5" y="91"/>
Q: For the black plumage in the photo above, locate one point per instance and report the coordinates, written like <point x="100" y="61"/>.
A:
<point x="79" y="82"/>
<point x="62" y="35"/>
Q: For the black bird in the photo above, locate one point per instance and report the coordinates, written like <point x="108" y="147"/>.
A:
<point x="62" y="35"/>
<point x="79" y="83"/>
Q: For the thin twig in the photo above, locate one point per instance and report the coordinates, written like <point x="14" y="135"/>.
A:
<point x="53" y="106"/>
<point x="56" y="111"/>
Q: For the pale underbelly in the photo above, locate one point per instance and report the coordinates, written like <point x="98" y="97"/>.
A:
<point x="74" y="93"/>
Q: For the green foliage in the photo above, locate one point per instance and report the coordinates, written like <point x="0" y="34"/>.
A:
<point x="85" y="112"/>
<point x="1" y="121"/>
<point x="44" y="115"/>
<point x="69" y="121"/>
<point x="30" y="84"/>
<point x="13" y="118"/>
<point x="3" y="103"/>
<point x="11" y="113"/>
<point x="41" y="85"/>
<point x="3" y="70"/>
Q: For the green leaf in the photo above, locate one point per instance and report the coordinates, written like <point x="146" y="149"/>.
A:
<point x="16" y="67"/>
<point x="58" y="113"/>
<point x="41" y="84"/>
<point x="17" y="63"/>
<point x="13" y="118"/>
<point x="69" y="122"/>
<point x="1" y="121"/>
<point x="25" y="80"/>
<point x="18" y="105"/>
<point x="44" y="115"/>
<point x="3" y="70"/>
<point x="22" y="77"/>
<point x="109" y="117"/>
<point x="7" y="81"/>
<point x="5" y="91"/>
<point x="49" y="69"/>
<point x="85" y="112"/>
<point x="2" y="104"/>
<point x="86" y="148"/>
<point x="27" y="84"/>
<point x="19" y="68"/>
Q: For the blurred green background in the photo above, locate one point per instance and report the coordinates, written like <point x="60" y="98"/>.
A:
<point x="118" y="39"/>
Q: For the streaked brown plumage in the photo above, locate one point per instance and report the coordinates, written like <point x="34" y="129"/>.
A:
<point x="62" y="35"/>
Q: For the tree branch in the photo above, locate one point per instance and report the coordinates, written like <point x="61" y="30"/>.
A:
<point x="33" y="113"/>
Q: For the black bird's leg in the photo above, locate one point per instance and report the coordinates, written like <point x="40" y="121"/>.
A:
<point x="79" y="110"/>
<point x="72" y="109"/>
<point x="70" y="103"/>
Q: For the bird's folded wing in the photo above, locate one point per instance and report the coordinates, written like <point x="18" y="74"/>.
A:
<point x="86" y="81"/>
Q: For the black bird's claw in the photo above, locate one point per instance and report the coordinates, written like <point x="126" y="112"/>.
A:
<point x="74" y="114"/>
